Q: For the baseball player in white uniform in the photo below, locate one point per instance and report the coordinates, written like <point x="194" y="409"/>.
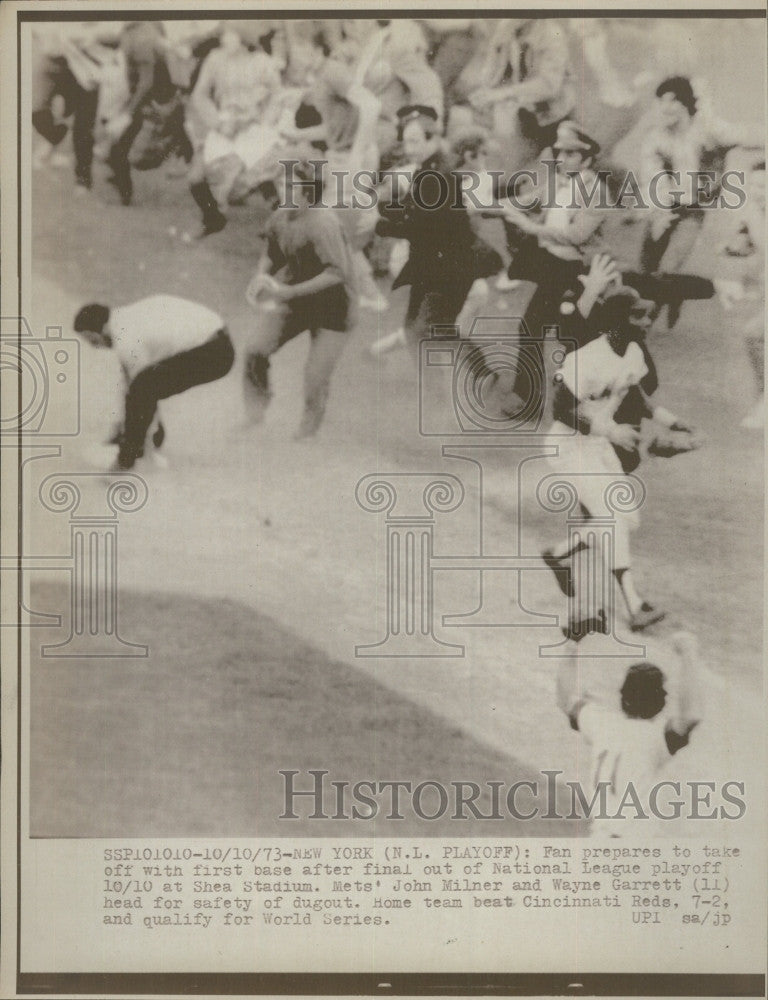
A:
<point x="591" y="387"/>
<point x="630" y="741"/>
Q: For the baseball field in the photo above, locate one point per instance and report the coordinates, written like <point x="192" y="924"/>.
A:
<point x="252" y="573"/>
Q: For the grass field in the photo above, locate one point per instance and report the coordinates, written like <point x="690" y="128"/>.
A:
<point x="252" y="573"/>
<point x="193" y="737"/>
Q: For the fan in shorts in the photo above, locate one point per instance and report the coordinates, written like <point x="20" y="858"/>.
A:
<point x="305" y="280"/>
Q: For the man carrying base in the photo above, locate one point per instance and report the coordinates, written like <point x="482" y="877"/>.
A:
<point x="165" y="345"/>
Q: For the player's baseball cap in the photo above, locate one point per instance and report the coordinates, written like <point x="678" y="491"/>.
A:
<point x="642" y="693"/>
<point x="623" y="304"/>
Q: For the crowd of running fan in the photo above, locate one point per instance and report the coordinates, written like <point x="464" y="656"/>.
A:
<point x="480" y="174"/>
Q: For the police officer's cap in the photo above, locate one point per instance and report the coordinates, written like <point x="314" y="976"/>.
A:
<point x="571" y="137"/>
<point x="413" y="112"/>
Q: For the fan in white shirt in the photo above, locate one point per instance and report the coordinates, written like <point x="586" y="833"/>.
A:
<point x="165" y="345"/>
<point x="157" y="327"/>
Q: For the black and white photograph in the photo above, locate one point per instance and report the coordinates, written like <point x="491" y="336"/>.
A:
<point x="383" y="446"/>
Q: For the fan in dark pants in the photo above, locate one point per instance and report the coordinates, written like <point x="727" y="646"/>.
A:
<point x="148" y="81"/>
<point x="434" y="220"/>
<point x="165" y="346"/>
<point x="65" y="73"/>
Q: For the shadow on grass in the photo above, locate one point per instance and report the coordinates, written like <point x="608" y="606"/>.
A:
<point x="190" y="741"/>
